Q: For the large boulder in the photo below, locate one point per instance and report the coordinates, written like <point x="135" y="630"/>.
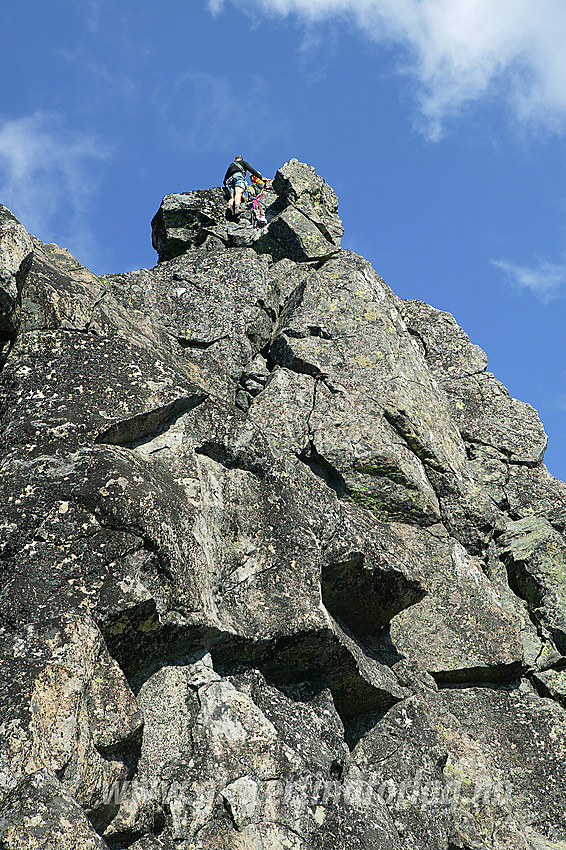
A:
<point x="460" y="631"/>
<point x="305" y="190"/>
<point x="480" y="405"/>
<point x="212" y="312"/>
<point x="68" y="712"/>
<point x="235" y="743"/>
<point x="345" y="332"/>
<point x="522" y="738"/>
<point x="533" y="491"/>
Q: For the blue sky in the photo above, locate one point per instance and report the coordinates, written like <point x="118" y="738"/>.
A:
<point x="439" y="123"/>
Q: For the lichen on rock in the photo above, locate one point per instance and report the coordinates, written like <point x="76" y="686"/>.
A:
<point x="282" y="568"/>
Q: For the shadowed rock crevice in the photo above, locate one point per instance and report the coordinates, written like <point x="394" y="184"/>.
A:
<point x="89" y="327"/>
<point x="321" y="657"/>
<point x="330" y="659"/>
<point x="150" y="559"/>
<point x="365" y="597"/>
<point x="474" y="676"/>
<point x="400" y="422"/>
<point x="291" y="305"/>
<point x="421" y="341"/>
<point x="252" y="382"/>
<point x="551" y="682"/>
<point x="311" y="330"/>
<point x="134" y="432"/>
<point x="323" y="469"/>
<point x="233" y="458"/>
<point x="284" y="355"/>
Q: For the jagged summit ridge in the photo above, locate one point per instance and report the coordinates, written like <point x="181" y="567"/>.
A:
<point x="301" y="211"/>
<point x="282" y="566"/>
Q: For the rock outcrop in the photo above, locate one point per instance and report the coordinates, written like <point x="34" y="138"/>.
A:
<point x="282" y="568"/>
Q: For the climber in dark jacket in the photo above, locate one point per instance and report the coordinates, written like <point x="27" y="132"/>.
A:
<point x="235" y="182"/>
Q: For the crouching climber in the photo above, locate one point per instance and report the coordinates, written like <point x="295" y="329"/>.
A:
<point x="235" y="182"/>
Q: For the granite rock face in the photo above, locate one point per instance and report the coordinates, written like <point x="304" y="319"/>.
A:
<point x="16" y="246"/>
<point x="282" y="568"/>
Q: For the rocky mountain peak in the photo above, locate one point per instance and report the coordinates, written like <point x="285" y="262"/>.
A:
<point x="300" y="208"/>
<point x="282" y="567"/>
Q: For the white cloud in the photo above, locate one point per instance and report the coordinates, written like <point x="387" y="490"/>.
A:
<point x="213" y="111"/>
<point x="545" y="280"/>
<point x="215" y="6"/>
<point x="215" y="117"/>
<point x="48" y="177"/>
<point x="459" y="51"/>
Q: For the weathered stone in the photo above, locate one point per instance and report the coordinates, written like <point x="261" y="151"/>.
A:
<point x="15" y="242"/>
<point x="460" y="630"/>
<point x="16" y="247"/>
<point x="524" y="738"/>
<point x="292" y="234"/>
<point x="467" y="509"/>
<point x="184" y="221"/>
<point x="306" y="190"/>
<point x="372" y="444"/>
<point x="73" y="716"/>
<point x="265" y="755"/>
<point x="212" y="311"/>
<point x="538" y="650"/>
<point x="485" y="413"/>
<point x="445" y="346"/>
<point x="536" y="492"/>
<point x="216" y="457"/>
<point x="534" y="554"/>
<point x="480" y="405"/>
<point x="117" y="381"/>
<point x="59" y="292"/>
<point x="490" y="469"/>
<point x="257" y="490"/>
<point x="40" y="814"/>
<point x="477" y="784"/>
<point x="497" y="427"/>
<point x="405" y="772"/>
<point x="441" y="786"/>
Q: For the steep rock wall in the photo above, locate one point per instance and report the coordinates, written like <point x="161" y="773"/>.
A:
<point x="282" y="568"/>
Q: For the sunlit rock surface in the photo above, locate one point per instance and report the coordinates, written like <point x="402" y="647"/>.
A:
<point x="281" y="566"/>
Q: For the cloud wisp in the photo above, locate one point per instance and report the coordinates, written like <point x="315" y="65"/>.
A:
<point x="48" y="176"/>
<point x="546" y="281"/>
<point x="458" y="52"/>
<point x="213" y="117"/>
